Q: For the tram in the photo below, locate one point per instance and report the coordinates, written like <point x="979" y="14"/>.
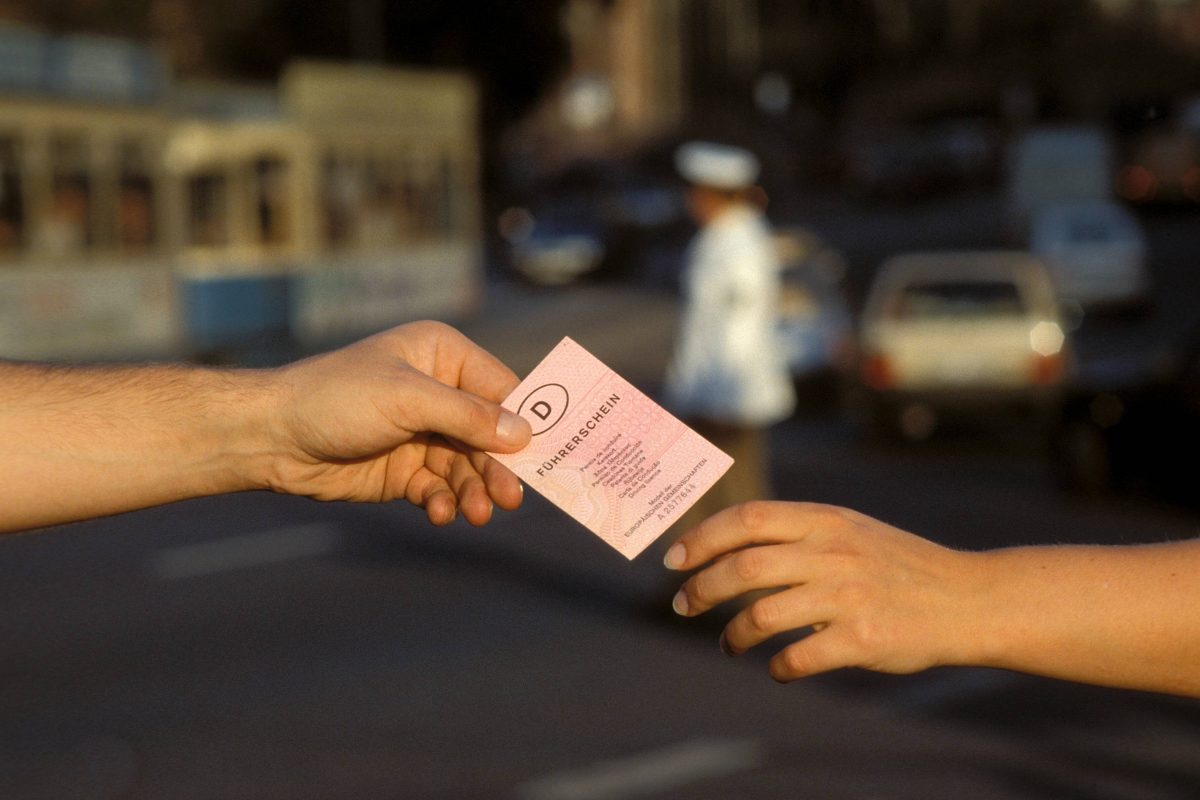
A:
<point x="340" y="202"/>
<point x="85" y="270"/>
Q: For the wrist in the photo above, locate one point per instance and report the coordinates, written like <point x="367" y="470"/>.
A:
<point x="235" y="431"/>
<point x="1009" y="607"/>
<point x="976" y="631"/>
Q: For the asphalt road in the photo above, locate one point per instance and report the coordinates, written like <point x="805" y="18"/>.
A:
<point x="257" y="646"/>
<point x="261" y="647"/>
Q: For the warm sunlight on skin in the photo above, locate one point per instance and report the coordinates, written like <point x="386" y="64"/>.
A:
<point x="883" y="599"/>
<point x="408" y="413"/>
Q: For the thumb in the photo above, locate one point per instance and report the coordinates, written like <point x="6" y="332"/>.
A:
<point x="467" y="418"/>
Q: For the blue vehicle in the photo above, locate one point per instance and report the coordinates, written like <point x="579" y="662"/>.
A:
<point x="231" y="223"/>
<point x="816" y="326"/>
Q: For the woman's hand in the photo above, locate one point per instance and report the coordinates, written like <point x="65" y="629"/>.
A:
<point x="873" y="596"/>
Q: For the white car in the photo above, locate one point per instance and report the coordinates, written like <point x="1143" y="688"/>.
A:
<point x="1096" y="252"/>
<point x="960" y="333"/>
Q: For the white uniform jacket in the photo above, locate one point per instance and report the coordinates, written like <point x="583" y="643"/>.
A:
<point x="728" y="366"/>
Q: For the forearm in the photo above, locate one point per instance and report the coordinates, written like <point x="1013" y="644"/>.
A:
<point x="1119" y="616"/>
<point x="89" y="441"/>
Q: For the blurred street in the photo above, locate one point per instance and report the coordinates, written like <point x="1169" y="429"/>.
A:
<point x="244" y="183"/>
<point x="259" y="646"/>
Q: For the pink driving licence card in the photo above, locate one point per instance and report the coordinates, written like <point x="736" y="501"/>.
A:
<point x="607" y="454"/>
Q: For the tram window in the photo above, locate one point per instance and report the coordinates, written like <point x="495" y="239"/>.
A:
<point x="410" y="210"/>
<point x="383" y="216"/>
<point x="135" y="220"/>
<point x="207" y="217"/>
<point x="12" y="209"/>
<point x="420" y="192"/>
<point x="432" y="197"/>
<point x="379" y="219"/>
<point x="270" y="193"/>
<point x="67" y="227"/>
<point x="135" y="201"/>
<point x="341" y="197"/>
<point x="382" y="202"/>
<point x="448" y="218"/>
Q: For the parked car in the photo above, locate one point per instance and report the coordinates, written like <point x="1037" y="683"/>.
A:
<point x="1096" y="251"/>
<point x="816" y="326"/>
<point x="597" y="219"/>
<point x="556" y="245"/>
<point x="1133" y="421"/>
<point x="959" y="334"/>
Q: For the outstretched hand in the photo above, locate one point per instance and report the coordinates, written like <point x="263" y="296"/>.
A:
<point x="869" y="595"/>
<point x="408" y="413"/>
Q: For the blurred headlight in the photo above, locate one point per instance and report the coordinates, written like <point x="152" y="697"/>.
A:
<point x="1046" y="338"/>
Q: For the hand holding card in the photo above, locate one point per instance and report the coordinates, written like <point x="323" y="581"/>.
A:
<point x="607" y="454"/>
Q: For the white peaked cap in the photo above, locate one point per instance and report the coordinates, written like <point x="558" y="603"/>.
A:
<point x="718" y="166"/>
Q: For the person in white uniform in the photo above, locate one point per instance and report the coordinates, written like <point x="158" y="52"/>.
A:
<point x="728" y="377"/>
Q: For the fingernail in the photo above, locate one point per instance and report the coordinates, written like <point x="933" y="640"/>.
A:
<point x="511" y="429"/>
<point x="675" y="556"/>
<point x="723" y="643"/>
<point x="680" y="603"/>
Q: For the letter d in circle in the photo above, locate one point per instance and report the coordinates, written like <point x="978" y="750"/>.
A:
<point x="545" y="406"/>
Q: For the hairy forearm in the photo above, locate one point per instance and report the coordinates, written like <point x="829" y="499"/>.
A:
<point x="1119" y="616"/>
<point x="88" y="441"/>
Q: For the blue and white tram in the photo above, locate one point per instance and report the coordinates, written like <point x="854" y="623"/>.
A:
<point x="139" y="230"/>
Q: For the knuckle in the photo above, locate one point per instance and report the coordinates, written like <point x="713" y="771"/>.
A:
<point x="844" y="550"/>
<point x="748" y="565"/>
<point x="794" y="662"/>
<point x="480" y="417"/>
<point x="763" y="615"/>
<point x="831" y="518"/>
<point x="811" y="507"/>
<point x="863" y="635"/>
<point x="753" y="515"/>
<point x="429" y="327"/>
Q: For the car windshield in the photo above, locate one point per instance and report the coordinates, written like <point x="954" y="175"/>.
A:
<point x="956" y="299"/>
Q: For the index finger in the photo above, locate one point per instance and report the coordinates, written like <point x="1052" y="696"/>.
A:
<point x="478" y="371"/>
<point x="753" y="523"/>
<point x="486" y="376"/>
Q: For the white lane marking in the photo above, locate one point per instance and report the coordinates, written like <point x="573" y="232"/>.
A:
<point x="648" y="772"/>
<point x="240" y="552"/>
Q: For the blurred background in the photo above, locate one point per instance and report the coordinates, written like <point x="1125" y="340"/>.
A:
<point x="987" y="214"/>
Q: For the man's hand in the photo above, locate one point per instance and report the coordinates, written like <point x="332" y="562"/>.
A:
<point x="408" y="413"/>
